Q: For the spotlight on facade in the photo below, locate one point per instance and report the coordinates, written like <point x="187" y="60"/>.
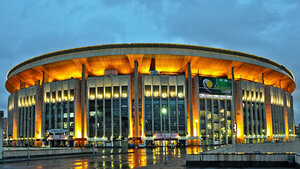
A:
<point x="164" y="110"/>
<point x="116" y="95"/>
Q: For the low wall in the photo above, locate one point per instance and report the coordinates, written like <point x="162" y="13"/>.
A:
<point x="44" y="152"/>
<point x="264" y="147"/>
<point x="240" y="160"/>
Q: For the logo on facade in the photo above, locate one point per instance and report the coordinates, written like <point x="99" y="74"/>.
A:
<point x="216" y="86"/>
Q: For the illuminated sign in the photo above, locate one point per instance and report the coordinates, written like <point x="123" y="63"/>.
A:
<point x="58" y="137"/>
<point x="216" y="86"/>
<point x="168" y="136"/>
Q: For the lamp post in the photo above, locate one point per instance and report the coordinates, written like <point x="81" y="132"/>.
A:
<point x="164" y="112"/>
<point x="197" y="133"/>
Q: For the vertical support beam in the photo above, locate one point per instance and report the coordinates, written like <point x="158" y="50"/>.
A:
<point x="143" y="102"/>
<point x="196" y="106"/>
<point x="190" y="100"/>
<point x="286" y="121"/>
<point x="39" y="100"/>
<point x="79" y="103"/>
<point x="83" y="103"/>
<point x="280" y="84"/>
<point x="15" y="120"/>
<point x="239" y="120"/>
<point x="129" y="98"/>
<point x="235" y="114"/>
<point x="136" y="100"/>
<point x="293" y="115"/>
<point x="268" y="113"/>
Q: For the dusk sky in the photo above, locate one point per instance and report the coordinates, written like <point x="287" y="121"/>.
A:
<point x="269" y="28"/>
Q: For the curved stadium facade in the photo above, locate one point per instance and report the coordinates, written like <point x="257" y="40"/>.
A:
<point x="112" y="95"/>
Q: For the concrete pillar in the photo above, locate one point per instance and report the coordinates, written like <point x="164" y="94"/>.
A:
<point x="79" y="108"/>
<point x="239" y="117"/>
<point x="83" y="93"/>
<point x="190" y="99"/>
<point x="136" y="100"/>
<point x="15" y="119"/>
<point x="268" y="113"/>
<point x="43" y="132"/>
<point x="38" y="115"/>
<point x="233" y="106"/>
<point x="196" y="107"/>
<point x="286" y="122"/>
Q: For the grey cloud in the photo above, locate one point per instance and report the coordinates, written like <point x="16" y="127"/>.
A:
<point x="266" y="28"/>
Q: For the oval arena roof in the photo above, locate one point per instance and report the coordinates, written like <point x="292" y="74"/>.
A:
<point x="169" y="59"/>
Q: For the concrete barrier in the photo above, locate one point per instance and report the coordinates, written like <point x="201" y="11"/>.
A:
<point x="264" y="147"/>
<point x="240" y="160"/>
<point x="18" y="152"/>
<point x="44" y="152"/>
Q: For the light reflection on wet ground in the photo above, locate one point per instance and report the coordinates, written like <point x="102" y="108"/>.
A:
<point x="135" y="158"/>
<point x="146" y="158"/>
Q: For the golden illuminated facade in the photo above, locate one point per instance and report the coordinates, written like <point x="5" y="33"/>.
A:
<point x="112" y="95"/>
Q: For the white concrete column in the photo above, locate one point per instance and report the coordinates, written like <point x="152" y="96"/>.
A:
<point x="190" y="99"/>
<point x="233" y="106"/>
<point x="136" y="99"/>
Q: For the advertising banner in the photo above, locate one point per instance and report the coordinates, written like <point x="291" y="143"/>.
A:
<point x="58" y="137"/>
<point x="215" y="86"/>
<point x="168" y="136"/>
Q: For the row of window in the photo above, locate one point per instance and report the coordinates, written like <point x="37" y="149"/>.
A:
<point x="107" y="92"/>
<point x="108" y="118"/>
<point x="160" y="117"/>
<point x="58" y="96"/>
<point x="60" y="116"/>
<point x="164" y="91"/>
<point x="215" y="121"/>
<point x="26" y="122"/>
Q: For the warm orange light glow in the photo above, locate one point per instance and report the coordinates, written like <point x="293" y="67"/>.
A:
<point x="188" y="126"/>
<point x="142" y="121"/>
<point x="15" y="111"/>
<point x="96" y="66"/>
<point x="196" y="128"/>
<point x="79" y="131"/>
<point x="239" y="115"/>
<point x="268" y="113"/>
<point x="100" y="96"/>
<point x="130" y="112"/>
<point x="286" y="118"/>
<point x="92" y="97"/>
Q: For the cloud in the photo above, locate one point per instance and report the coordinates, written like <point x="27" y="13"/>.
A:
<point x="266" y="28"/>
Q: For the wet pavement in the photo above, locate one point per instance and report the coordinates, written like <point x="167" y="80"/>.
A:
<point x="135" y="158"/>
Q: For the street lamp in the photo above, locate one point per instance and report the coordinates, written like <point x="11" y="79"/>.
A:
<point x="164" y="112"/>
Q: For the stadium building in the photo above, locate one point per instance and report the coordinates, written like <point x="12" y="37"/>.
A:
<point x="116" y="94"/>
